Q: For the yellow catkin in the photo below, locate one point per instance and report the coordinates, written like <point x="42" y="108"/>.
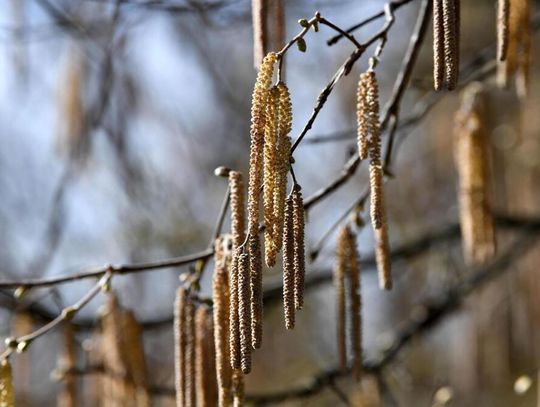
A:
<point x="180" y="345"/>
<point x="259" y="31"/>
<point x="283" y="162"/>
<point x="234" y="321"/>
<point x="288" y="265"/>
<point x="340" y="272"/>
<point x="503" y="12"/>
<point x="299" y="257"/>
<point x="258" y="119"/>
<point x="205" y="373"/>
<point x="7" y="394"/>
<point x="68" y="361"/>
<point x="238" y="388"/>
<point x="236" y="186"/>
<point x="471" y="157"/>
<point x="362" y="119"/>
<point x="135" y="358"/>
<point x="450" y="19"/>
<point x="244" y="312"/>
<point x="438" y="45"/>
<point x="255" y="276"/>
<point x="271" y="174"/>
<point x="382" y="257"/>
<point x="220" y="297"/>
<point x="355" y="323"/>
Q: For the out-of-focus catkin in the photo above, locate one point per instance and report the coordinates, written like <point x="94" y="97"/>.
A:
<point x="180" y="346"/>
<point x="258" y="120"/>
<point x="472" y="162"/>
<point x="205" y="374"/>
<point x="238" y="388"/>
<point x="288" y="265"/>
<point x="299" y="258"/>
<point x="382" y="257"/>
<point x="7" y="394"/>
<point x="67" y="361"/>
<point x="220" y="297"/>
<point x="260" y="40"/>
<point x="244" y="312"/>
<point x="236" y="186"/>
<point x="340" y="272"/>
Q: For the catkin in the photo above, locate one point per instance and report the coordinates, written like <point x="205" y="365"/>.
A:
<point x="288" y="265"/>
<point x="67" y="361"/>
<point x="376" y="195"/>
<point x="180" y="346"/>
<point x="7" y="394"/>
<point x="204" y="372"/>
<point x="382" y="257"/>
<point x="259" y="31"/>
<point x="438" y="45"/>
<point x="244" y="312"/>
<point x="471" y="157"/>
<point x="270" y="175"/>
<point x="255" y="278"/>
<point x="362" y="119"/>
<point x="134" y="351"/>
<point x="220" y="297"/>
<point x="524" y="57"/>
<point x="256" y="157"/>
<point x="234" y="321"/>
<point x="190" y="398"/>
<point x="340" y="272"/>
<point x="238" y="388"/>
<point x="299" y="257"/>
<point x="355" y="305"/>
<point x="503" y="12"/>
<point x="236" y="186"/>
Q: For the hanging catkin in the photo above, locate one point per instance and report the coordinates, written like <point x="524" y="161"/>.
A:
<point x="236" y="186"/>
<point x="270" y="174"/>
<point x="234" y="321"/>
<point x="446" y="33"/>
<point x="7" y="394"/>
<point x="299" y="257"/>
<point x="255" y="275"/>
<point x="204" y="373"/>
<point x="180" y="346"/>
<point x="238" y="388"/>
<point x="288" y="265"/>
<point x="362" y="117"/>
<point x="382" y="257"/>
<point x="471" y="157"/>
<point x="503" y="12"/>
<point x="221" y="305"/>
<point x="134" y="350"/>
<point x="258" y="8"/>
<point x="190" y="354"/>
<point x="244" y="312"/>
<point x="340" y="272"/>
<point x="256" y="158"/>
<point x="68" y="361"/>
<point x="354" y="306"/>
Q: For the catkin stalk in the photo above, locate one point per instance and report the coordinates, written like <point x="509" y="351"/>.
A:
<point x="220" y="296"/>
<point x="288" y="265"/>
<point x="7" y="394"/>
<point x="299" y="257"/>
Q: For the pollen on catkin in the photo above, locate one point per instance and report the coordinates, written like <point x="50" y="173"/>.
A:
<point x="288" y="265"/>
<point x="471" y="157"/>
<point x="236" y="186"/>
<point x="299" y="257"/>
<point x="503" y="13"/>
<point x="7" y="394"/>
<point x="244" y="312"/>
<point x="256" y="158"/>
<point x="255" y="276"/>
<point x="180" y="345"/>
<point x="220" y="297"/>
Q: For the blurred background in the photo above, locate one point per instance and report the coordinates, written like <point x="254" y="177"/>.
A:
<point x="113" y="116"/>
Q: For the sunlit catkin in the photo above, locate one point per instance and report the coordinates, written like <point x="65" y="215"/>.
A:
<point x="471" y="157"/>
<point x="340" y="272"/>
<point x="271" y="175"/>
<point x="503" y="13"/>
<point x="288" y="265"/>
<point x="236" y="186"/>
<point x="7" y="394"/>
<point x="256" y="158"/>
<point x="244" y="312"/>
<point x="299" y="258"/>
<point x="180" y="346"/>
<point x="220" y="297"/>
<point x="260" y="40"/>
<point x="238" y="388"/>
<point x="204" y="372"/>
<point x="255" y="276"/>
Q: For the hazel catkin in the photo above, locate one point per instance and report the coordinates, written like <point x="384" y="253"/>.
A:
<point x="288" y="265"/>
<point x="7" y="394"/>
<point x="244" y="312"/>
<point x="255" y="276"/>
<point x="236" y="186"/>
<point x="299" y="257"/>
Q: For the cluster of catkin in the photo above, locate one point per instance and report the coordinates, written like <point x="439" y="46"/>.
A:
<point x="194" y="355"/>
<point x="446" y="33"/>
<point x="472" y="162"/>
<point x="513" y="43"/>
<point x="347" y="284"/>
<point x="369" y="145"/>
